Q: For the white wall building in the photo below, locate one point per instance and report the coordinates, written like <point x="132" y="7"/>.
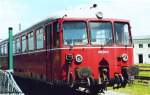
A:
<point x="141" y="49"/>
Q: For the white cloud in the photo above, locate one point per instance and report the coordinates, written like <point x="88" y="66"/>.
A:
<point x="137" y="11"/>
<point x="12" y="12"/>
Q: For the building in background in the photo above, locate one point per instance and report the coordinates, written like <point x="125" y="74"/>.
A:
<point x="141" y="49"/>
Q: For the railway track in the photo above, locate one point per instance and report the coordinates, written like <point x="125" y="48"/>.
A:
<point x="142" y="77"/>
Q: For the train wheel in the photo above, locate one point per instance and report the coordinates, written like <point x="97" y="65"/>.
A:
<point x="91" y="84"/>
<point x="71" y="81"/>
<point x="90" y="81"/>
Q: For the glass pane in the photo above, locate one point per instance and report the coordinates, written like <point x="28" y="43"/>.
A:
<point x="18" y="48"/>
<point x="74" y="33"/>
<point x="122" y="33"/>
<point x="14" y="46"/>
<point x="0" y="50"/>
<point x="39" y="38"/>
<point x="23" y="43"/>
<point x="5" y="49"/>
<point x="101" y="33"/>
<point x="30" y="41"/>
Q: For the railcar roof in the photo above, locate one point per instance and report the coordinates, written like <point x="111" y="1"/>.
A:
<point x="103" y="19"/>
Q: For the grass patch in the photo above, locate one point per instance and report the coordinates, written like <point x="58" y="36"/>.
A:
<point x="135" y="89"/>
<point x="143" y="64"/>
<point x="141" y="68"/>
<point x="142" y="73"/>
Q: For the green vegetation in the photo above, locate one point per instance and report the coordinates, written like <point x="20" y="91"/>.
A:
<point x="136" y="89"/>
<point x="143" y="64"/>
<point x="144" y="70"/>
<point x="143" y="73"/>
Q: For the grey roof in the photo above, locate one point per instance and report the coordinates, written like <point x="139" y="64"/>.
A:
<point x="145" y="37"/>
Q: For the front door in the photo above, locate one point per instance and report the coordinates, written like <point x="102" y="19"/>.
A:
<point x="140" y="58"/>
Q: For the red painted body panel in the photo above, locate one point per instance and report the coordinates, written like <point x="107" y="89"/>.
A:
<point x="49" y="63"/>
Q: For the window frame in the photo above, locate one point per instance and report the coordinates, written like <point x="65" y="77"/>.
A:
<point x="25" y="43"/>
<point x="86" y="30"/>
<point x="129" y="34"/>
<point x="91" y="35"/>
<point x="148" y="45"/>
<point x="28" y="45"/>
<point x="49" y="35"/>
<point x="17" y="40"/>
<point x="140" y="45"/>
<point x="38" y="30"/>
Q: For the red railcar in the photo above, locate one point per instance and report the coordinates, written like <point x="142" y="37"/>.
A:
<point x="74" y="50"/>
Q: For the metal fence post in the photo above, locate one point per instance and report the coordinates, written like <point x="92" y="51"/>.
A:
<point x="10" y="66"/>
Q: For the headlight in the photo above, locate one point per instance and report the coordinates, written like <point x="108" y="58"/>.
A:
<point x="124" y="57"/>
<point x="69" y="58"/>
<point x="78" y="58"/>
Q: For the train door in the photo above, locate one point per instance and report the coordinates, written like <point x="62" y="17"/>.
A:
<point x="49" y="59"/>
<point x="56" y="51"/>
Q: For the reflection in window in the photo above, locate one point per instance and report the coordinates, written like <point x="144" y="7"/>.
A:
<point x="18" y="47"/>
<point x="14" y="47"/>
<point x="74" y="33"/>
<point x="122" y="33"/>
<point x="140" y="45"/>
<point x="39" y="38"/>
<point x="23" y="43"/>
<point x="148" y="45"/>
<point x="30" y="41"/>
<point x="5" y="48"/>
<point x="0" y="50"/>
<point x="148" y="55"/>
<point x="101" y="33"/>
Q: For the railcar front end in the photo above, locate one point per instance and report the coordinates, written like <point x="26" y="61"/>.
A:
<point x="92" y="50"/>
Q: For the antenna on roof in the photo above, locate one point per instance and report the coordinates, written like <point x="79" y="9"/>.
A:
<point x="64" y="16"/>
<point x="94" y="6"/>
<point x="19" y="27"/>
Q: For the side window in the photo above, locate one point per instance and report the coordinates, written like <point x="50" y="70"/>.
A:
<point x="18" y="47"/>
<point x="5" y="48"/>
<point x="30" y="41"/>
<point x="14" y="48"/>
<point x="49" y="35"/>
<point x="55" y="34"/>
<point x="23" y="38"/>
<point x="140" y="45"/>
<point x="0" y="50"/>
<point x="39" y="38"/>
<point x="56" y="26"/>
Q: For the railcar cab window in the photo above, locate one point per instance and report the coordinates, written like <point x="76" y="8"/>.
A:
<point x="101" y="33"/>
<point x="39" y="38"/>
<point x="122" y="33"/>
<point x="23" y="43"/>
<point x="30" y="41"/>
<point x="74" y="33"/>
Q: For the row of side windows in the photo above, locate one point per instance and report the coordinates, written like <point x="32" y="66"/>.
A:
<point x="20" y="44"/>
<point x="3" y="49"/>
<point x="26" y="43"/>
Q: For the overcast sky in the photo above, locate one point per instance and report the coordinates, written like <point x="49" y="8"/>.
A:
<point x="28" y="12"/>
